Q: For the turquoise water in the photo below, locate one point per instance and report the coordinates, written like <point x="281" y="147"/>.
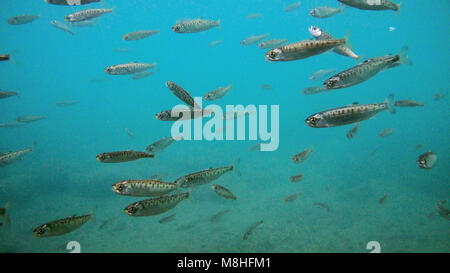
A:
<point x="61" y="176"/>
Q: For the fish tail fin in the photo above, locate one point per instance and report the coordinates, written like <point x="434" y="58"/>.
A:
<point x="218" y="25"/>
<point x="237" y="171"/>
<point x="6" y="212"/>
<point x="347" y="42"/>
<point x="403" y="56"/>
<point x="389" y="106"/>
<point x="397" y="6"/>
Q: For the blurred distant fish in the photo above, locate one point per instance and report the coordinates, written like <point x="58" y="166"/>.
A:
<point x="254" y="39"/>
<point x="372" y="4"/>
<point x="391" y="29"/>
<point x="292" y="7"/>
<point x="215" y="43"/>
<point x="161" y="144"/>
<point x="302" y="156"/>
<point x="8" y="94"/>
<point x="194" y="25"/>
<point x="323" y="205"/>
<point x="128" y="68"/>
<point x="156" y="205"/>
<point x="407" y="103"/>
<point x="324" y="12"/>
<point x="427" y="160"/>
<point x="202" y="177"/>
<point x="86" y="14"/>
<point x="352" y="132"/>
<point x="143" y="187"/>
<point x="11" y="157"/>
<point x="85" y="23"/>
<point x="296" y="178"/>
<point x="12" y="125"/>
<point x="313" y="90"/>
<point x="28" y="119"/>
<point x="386" y="132"/>
<point x="218" y="93"/>
<point x="222" y="191"/>
<point x="291" y="198"/>
<point x="66" y="103"/>
<point x="129" y="133"/>
<point x="382" y="199"/>
<point x="272" y="43"/>
<point x="254" y="16"/>
<point x="181" y="94"/>
<point x="71" y="2"/>
<point x="62" y="26"/>
<point x="439" y="96"/>
<point x="321" y="74"/>
<point x="122" y="156"/>
<point x="138" y="35"/>
<point x="442" y="210"/>
<point x="251" y="229"/>
<point x="141" y="75"/>
<point x="256" y="147"/>
<point x="344" y="50"/>
<point x="218" y="215"/>
<point x="418" y="147"/>
<point x="122" y="49"/>
<point x="22" y="19"/>
<point x="166" y="115"/>
<point x="62" y="226"/>
<point x="167" y="219"/>
<point x="5" y="57"/>
<point x="266" y="86"/>
<point x="4" y="212"/>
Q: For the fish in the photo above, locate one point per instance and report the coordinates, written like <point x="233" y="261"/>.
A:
<point x="122" y="156"/>
<point x="5" y="57"/>
<point x="143" y="187"/>
<point x="382" y="199"/>
<point x="161" y="144"/>
<point x="296" y="178"/>
<point x="291" y="198"/>
<point x="372" y="4"/>
<point x="256" y="147"/>
<point x="218" y="215"/>
<point x="323" y="205"/>
<point x="66" y="103"/>
<point x="195" y="25"/>
<point x="254" y="39"/>
<point x="129" y="133"/>
<point x="347" y="114"/>
<point x="253" y="16"/>
<point x="62" y="26"/>
<point x="321" y="74"/>
<point x="215" y="43"/>
<point x="303" y="49"/>
<point x="366" y="70"/>
<point x="272" y="43"/>
<point x="141" y="75"/>
<point x="166" y="115"/>
<point x="218" y="93"/>
<point x="302" y="156"/>
<point x="8" y="94"/>
<point x="62" y="226"/>
<point x="439" y="96"/>
<point x="22" y="19"/>
<point x="313" y="90"/>
<point x="320" y="34"/>
<point x="128" y="68"/>
<point x="138" y="35"/>
<point x="386" y="132"/>
<point x="181" y="94"/>
<point x="442" y="210"/>
<point x="266" y="86"/>
<point x="11" y="157"/>
<point x="418" y="147"/>
<point x="325" y="12"/>
<point x="252" y="228"/>
<point x="71" y="2"/>
<point x="28" y="119"/>
<point x="167" y="219"/>
<point x="86" y="14"/>
<point x="106" y="223"/>
<point x="352" y="132"/>
<point x="4" y="212"/>
<point x="292" y="7"/>
<point x="427" y="160"/>
<point x="155" y="206"/>
<point x="85" y="23"/>
<point x="202" y="177"/>
<point x="407" y="103"/>
<point x="224" y="192"/>
<point x="12" y="125"/>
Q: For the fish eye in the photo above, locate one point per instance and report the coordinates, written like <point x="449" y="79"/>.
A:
<point x="120" y="187"/>
<point x="272" y="54"/>
<point x="176" y="28"/>
<point x="131" y="210"/>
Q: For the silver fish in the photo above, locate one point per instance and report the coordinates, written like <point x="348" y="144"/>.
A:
<point x="427" y="160"/>
<point x="324" y="12"/>
<point x="254" y="39"/>
<point x="195" y="25"/>
<point x="128" y="68"/>
<point x="253" y="16"/>
<point x="386" y="132"/>
<point x="22" y="19"/>
<point x="160" y="145"/>
<point x="86" y="14"/>
<point x="122" y="156"/>
<point x="138" y="35"/>
<point x="62" y="226"/>
<point x="62" y="26"/>
<point x="407" y="103"/>
<point x="272" y="43"/>
<point x="372" y="4"/>
<point x="222" y="191"/>
<point x="181" y="94"/>
<point x="141" y="75"/>
<point x="292" y="7"/>
<point x="218" y="93"/>
<point x="71" y="2"/>
<point x="321" y="74"/>
<point x="202" y="177"/>
<point x="215" y="43"/>
<point x="143" y="187"/>
<point x="11" y="157"/>
<point x="155" y="206"/>
<point x="28" y="119"/>
<point x="313" y="90"/>
<point x="320" y="34"/>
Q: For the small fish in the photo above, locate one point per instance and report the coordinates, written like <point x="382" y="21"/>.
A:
<point x="320" y="34"/>
<point x="167" y="219"/>
<point x="11" y="157"/>
<point x="128" y="68"/>
<point x="302" y="156"/>
<point x="122" y="49"/>
<point x="22" y="19"/>
<point x="138" y="35"/>
<point x="443" y="211"/>
<point x="218" y="93"/>
<point x="194" y="25"/>
<point x="161" y="144"/>
<point x="4" y="212"/>
<point x="155" y="206"/>
<point x="86" y="14"/>
<point x="8" y="94"/>
<point x="418" y="147"/>
<point x="215" y="43"/>
<point x="313" y="90"/>
<point x="181" y="94"/>
<point x="5" y="57"/>
<point x="62" y="26"/>
<point x="141" y="75"/>
<point x="12" y="125"/>
<point x="407" y="103"/>
<point x="272" y="43"/>
<point x="292" y="7"/>
<point x="266" y="86"/>
<point x="85" y="23"/>
<point x="296" y="178"/>
<point x="66" y="103"/>
<point x="325" y="12"/>
<point x="251" y="229"/>
<point x="202" y="177"/>
<point x="218" y="215"/>
<point x="254" y="39"/>
<point x="129" y="133"/>
<point x="352" y="132"/>
<point x="323" y="205"/>
<point x="179" y="114"/>
<point x="427" y="160"/>
<point x="122" y="156"/>
<point x="62" y="226"/>
<point x="439" y="96"/>
<point x="71" y="2"/>
<point x="254" y="16"/>
<point x="106" y="223"/>
<point x="291" y="198"/>
<point x="372" y="4"/>
<point x="28" y="119"/>
<point x="321" y="74"/>
<point x="386" y="132"/>
<point x="222" y="191"/>
<point x="143" y="187"/>
<point x="382" y="199"/>
<point x="256" y="147"/>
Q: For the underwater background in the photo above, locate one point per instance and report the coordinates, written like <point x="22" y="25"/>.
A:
<point x="61" y="176"/>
